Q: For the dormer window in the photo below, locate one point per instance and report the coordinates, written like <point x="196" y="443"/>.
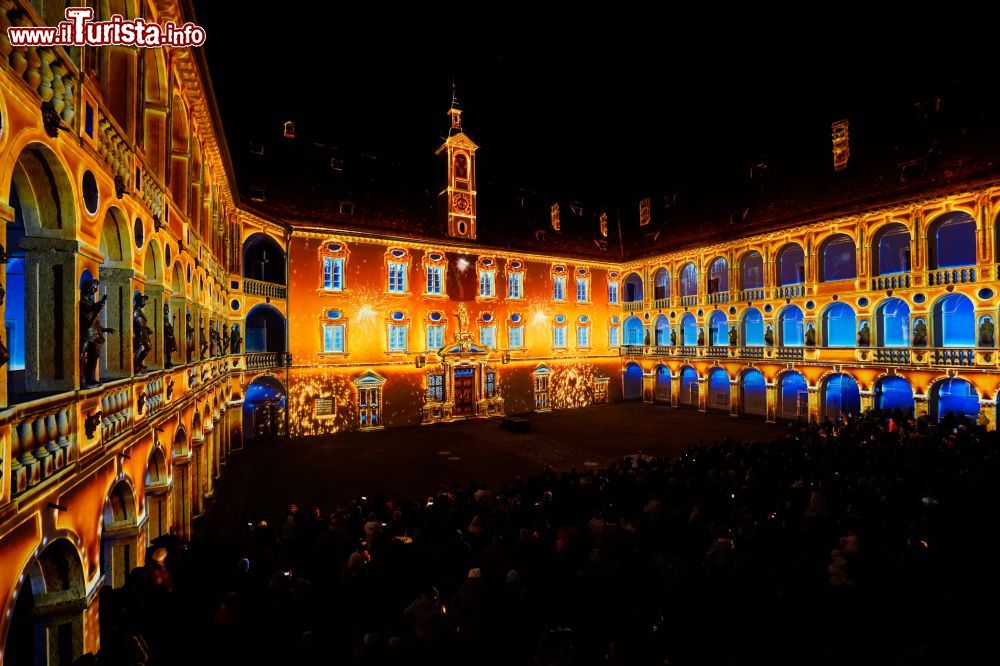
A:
<point x="289" y="132"/>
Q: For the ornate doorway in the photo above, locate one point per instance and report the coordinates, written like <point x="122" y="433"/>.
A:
<point x="465" y="391"/>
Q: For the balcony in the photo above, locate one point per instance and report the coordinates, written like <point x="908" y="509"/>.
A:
<point x="790" y="291"/>
<point x="661" y="303"/>
<point x="953" y="357"/>
<point x="663" y="350"/>
<point x="633" y="350"/>
<point x="718" y="297"/>
<point x="717" y="352"/>
<point x="751" y="294"/>
<point x="688" y="350"/>
<point x="42" y="444"/>
<point x="751" y="352"/>
<point x="892" y="355"/>
<point x="267" y="290"/>
<point x="886" y="282"/>
<point x="689" y="300"/>
<point x="951" y="276"/>
<point x="790" y="353"/>
<point x="266" y="360"/>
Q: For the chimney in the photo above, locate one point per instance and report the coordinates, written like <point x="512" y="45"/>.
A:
<point x="841" y="145"/>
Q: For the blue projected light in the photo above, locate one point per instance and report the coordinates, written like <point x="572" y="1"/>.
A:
<point x="718" y="389"/>
<point x="894" y="323"/>
<point x="841" y="397"/>
<point x="754" y="393"/>
<point x="794" y="396"/>
<point x="894" y="250"/>
<point x="839" y="259"/>
<point x="894" y="393"/>
<point x="954" y="322"/>
<point x="753" y="271"/>
<point x="718" y="328"/>
<point x="790" y="327"/>
<point x="632" y="382"/>
<point x="662" y="327"/>
<point x="689" y="387"/>
<point x="791" y="266"/>
<point x="689" y="280"/>
<point x="955" y="241"/>
<point x="689" y="330"/>
<point x="958" y="397"/>
<point x="839" y="325"/>
<point x="633" y="331"/>
<point x="753" y="328"/>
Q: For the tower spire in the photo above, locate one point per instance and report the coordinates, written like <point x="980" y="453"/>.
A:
<point x="455" y="113"/>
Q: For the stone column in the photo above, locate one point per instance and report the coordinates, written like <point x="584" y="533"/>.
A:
<point x="208" y="458"/>
<point x="814" y="411"/>
<point x="6" y="217"/>
<point x="181" y="496"/>
<point x="236" y="425"/>
<point x="675" y="390"/>
<point x="867" y="400"/>
<point x="116" y="357"/>
<point x="921" y="405"/>
<point x="702" y="394"/>
<point x="196" y="474"/>
<point x="154" y="314"/>
<point x="771" y="393"/>
<point x="734" y="397"/>
<point x="177" y="310"/>
<point x="648" y="386"/>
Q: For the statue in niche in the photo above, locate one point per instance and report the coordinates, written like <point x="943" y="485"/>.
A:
<point x="169" y="340"/>
<point x="646" y="338"/>
<point x="732" y="336"/>
<point x="769" y="336"/>
<point x="142" y="334"/>
<point x="864" y="335"/>
<point x="810" y="335"/>
<point x="701" y="337"/>
<point x="189" y="336"/>
<point x="986" y="330"/>
<point x="673" y="337"/>
<point x="203" y="347"/>
<point x="91" y="331"/>
<point x="236" y="340"/>
<point x="215" y="338"/>
<point x="920" y="333"/>
<point x="225" y="339"/>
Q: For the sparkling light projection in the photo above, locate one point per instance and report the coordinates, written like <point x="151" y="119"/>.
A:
<point x="572" y="384"/>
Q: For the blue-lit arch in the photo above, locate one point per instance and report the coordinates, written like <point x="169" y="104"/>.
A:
<point x="841" y="396"/>
<point x="954" y="321"/>
<point x="951" y="241"/>
<point x="632" y="382"/>
<point x="839" y="325"/>
<point x="752" y="270"/>
<point x="689" y="330"/>
<point x="754" y="393"/>
<point x="839" y="259"/>
<point x="718" y="329"/>
<point x="891" y="250"/>
<point x="753" y="328"/>
<point x="633" y="331"/>
<point x="791" y="265"/>
<point x="790" y="330"/>
<point x="661" y="388"/>
<point x="661" y="328"/>
<point x="893" y="323"/>
<point x="793" y="396"/>
<point x="954" y="396"/>
<point x="894" y="392"/>
<point x="718" y="390"/>
<point x="689" y="280"/>
<point x="718" y="276"/>
<point x="689" y="386"/>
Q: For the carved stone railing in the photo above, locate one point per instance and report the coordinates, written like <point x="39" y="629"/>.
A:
<point x="152" y="195"/>
<point x="633" y="350"/>
<point x="892" y="355"/>
<point x="717" y="352"/>
<point x="663" y="350"/>
<point x="790" y="291"/>
<point x="41" y="446"/>
<point x="718" y="297"/>
<point x="113" y="149"/>
<point x="661" y="303"/>
<point x="790" y="353"/>
<point x="689" y="300"/>
<point x="894" y="281"/>
<point x="688" y="350"/>
<point x="264" y="289"/>
<point x="949" y="356"/>
<point x="751" y="294"/>
<point x="633" y="306"/>
<point x="751" y="352"/>
<point x="116" y="413"/>
<point x="261" y="360"/>
<point x="951" y="276"/>
<point x="153" y="397"/>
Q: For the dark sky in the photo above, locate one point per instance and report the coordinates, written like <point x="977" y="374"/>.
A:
<point x="605" y="106"/>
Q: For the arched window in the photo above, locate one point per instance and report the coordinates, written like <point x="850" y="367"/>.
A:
<point x="954" y="322"/>
<point x="793" y="396"/>
<point x="689" y="387"/>
<point x="753" y="328"/>
<point x="661" y="392"/>
<point x="754" y="399"/>
<point x="891" y="250"/>
<point x="633" y="288"/>
<point x="718" y="390"/>
<point x="265" y="330"/>
<point x="263" y="259"/>
<point x="718" y="276"/>
<point x="839" y="326"/>
<point x="790" y="329"/>
<point x="661" y="284"/>
<point x="752" y="271"/>
<point x="662" y="327"/>
<point x="634" y="333"/>
<point x="689" y="280"/>
<point x="718" y="329"/>
<point x="951" y="241"/>
<point x="791" y="265"/>
<point x="689" y="330"/>
<point x="632" y="382"/>
<point x="956" y="397"/>
<point x="839" y="259"/>
<point x="893" y="323"/>
<point x="894" y="392"/>
<point x="841" y="397"/>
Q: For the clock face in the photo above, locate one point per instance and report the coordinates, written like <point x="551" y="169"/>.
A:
<point x="462" y="202"/>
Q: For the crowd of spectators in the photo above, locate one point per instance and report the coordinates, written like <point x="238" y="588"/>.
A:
<point x="870" y="540"/>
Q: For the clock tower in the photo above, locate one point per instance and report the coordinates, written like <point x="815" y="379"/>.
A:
<point x="459" y="195"/>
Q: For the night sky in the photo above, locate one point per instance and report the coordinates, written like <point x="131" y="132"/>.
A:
<point x="607" y="107"/>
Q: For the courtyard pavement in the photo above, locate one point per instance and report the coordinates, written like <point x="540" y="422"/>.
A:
<point x="412" y="462"/>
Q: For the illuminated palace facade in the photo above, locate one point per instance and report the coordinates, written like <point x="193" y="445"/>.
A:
<point x="156" y="320"/>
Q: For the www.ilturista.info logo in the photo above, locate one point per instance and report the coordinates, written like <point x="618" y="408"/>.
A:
<point x="80" y="29"/>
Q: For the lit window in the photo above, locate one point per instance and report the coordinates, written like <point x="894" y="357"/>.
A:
<point x="486" y="284"/>
<point x="397" y="277"/>
<point x="515" y="337"/>
<point x="559" y="332"/>
<point x="434" y="280"/>
<point x="334" y="338"/>
<point x="559" y="288"/>
<point x="613" y="338"/>
<point x="491" y="384"/>
<point x="582" y="290"/>
<point x="435" y="388"/>
<point x="582" y="336"/>
<point x="488" y="336"/>
<point x="397" y="337"/>
<point x="515" y="285"/>
<point x="612" y="292"/>
<point x="435" y="337"/>
<point x="333" y="273"/>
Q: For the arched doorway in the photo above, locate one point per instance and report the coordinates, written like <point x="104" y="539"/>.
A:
<point x="841" y="396"/>
<point x="265" y="330"/>
<point x="718" y="390"/>
<point x="118" y="535"/>
<point x="793" y="396"/>
<point x="893" y="323"/>
<point x="634" y="332"/>
<point x="661" y="391"/>
<point x="954" y="321"/>
<point x="839" y="259"/>
<point x="891" y="250"/>
<point x="47" y="614"/>
<point x="633" y="288"/>
<point x="790" y="331"/>
<point x="263" y="259"/>
<point x="753" y="400"/>
<point x="632" y="382"/>
<point x="689" y="330"/>
<point x="951" y="241"/>
<point x="791" y="265"/>
<point x="157" y="493"/>
<point x="689" y="387"/>
<point x="662" y="329"/>
<point x="956" y="397"/>
<point x="893" y="393"/>
<point x="264" y="409"/>
<point x="718" y="329"/>
<point x="753" y="328"/>
<point x="839" y="324"/>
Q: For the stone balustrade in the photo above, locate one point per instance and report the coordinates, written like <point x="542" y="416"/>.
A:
<point x="267" y="290"/>
<point x="951" y="276"/>
<point x="41" y="446"/>
<point x="116" y="413"/>
<point x="113" y="149"/>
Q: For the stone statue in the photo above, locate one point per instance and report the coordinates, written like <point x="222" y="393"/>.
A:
<point x="701" y="337"/>
<point x="214" y="338"/>
<point x="225" y="339"/>
<point x="769" y="336"/>
<point x="91" y="331"/>
<point x="169" y="340"/>
<point x="646" y="338"/>
<point x="203" y="347"/>
<point x="673" y="337"/>
<point x="986" y="329"/>
<point x="810" y="335"/>
<point x="864" y="335"/>
<point x="732" y="336"/>
<point x="920" y="333"/>
<point x="189" y="336"/>
<point x="463" y="318"/>
<point x="142" y="340"/>
<point x="236" y="340"/>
